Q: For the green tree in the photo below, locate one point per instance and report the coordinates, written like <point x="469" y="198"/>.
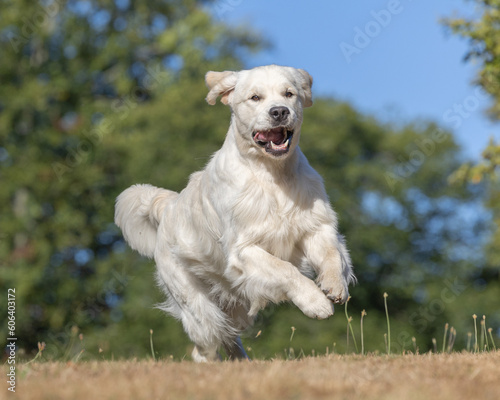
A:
<point x="482" y="31"/>
<point x="483" y="34"/>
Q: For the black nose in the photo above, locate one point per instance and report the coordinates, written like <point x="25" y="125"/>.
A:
<point x="279" y="114"/>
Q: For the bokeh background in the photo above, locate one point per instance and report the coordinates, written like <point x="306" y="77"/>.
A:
<point x="98" y="95"/>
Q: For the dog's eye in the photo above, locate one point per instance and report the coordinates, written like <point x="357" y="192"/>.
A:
<point x="288" y="94"/>
<point x="255" y="98"/>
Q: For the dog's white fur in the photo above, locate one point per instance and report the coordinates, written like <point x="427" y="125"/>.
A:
<point x="253" y="227"/>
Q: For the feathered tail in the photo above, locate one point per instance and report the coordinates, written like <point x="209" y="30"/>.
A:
<point x="138" y="212"/>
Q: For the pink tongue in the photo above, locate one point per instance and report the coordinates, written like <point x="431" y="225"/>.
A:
<point x="275" y="135"/>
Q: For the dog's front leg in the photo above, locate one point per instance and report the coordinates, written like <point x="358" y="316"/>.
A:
<point x="325" y="250"/>
<point x="260" y="277"/>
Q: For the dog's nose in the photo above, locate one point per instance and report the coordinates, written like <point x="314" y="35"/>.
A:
<point x="279" y="114"/>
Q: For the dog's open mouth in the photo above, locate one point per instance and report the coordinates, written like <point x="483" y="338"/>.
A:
<point x="275" y="141"/>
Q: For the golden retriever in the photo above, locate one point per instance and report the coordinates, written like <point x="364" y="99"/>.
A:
<point x="255" y="226"/>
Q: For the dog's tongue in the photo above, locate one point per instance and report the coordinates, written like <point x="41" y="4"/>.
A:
<point x="274" y="135"/>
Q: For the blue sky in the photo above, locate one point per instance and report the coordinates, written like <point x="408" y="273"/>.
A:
<point x="391" y="58"/>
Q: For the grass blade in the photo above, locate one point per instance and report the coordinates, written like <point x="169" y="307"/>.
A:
<point x="349" y="327"/>
<point x="444" y="336"/>
<point x="363" y="313"/>
<point x="491" y="337"/>
<point x="388" y="345"/>
<point x="474" y="316"/>
<point x="151" y="344"/>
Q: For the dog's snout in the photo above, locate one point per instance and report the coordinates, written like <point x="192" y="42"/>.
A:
<point x="279" y="114"/>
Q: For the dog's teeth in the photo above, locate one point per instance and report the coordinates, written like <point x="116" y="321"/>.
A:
<point x="276" y="146"/>
<point x="280" y="146"/>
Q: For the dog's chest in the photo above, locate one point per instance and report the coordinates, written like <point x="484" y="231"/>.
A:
<point x="276" y="218"/>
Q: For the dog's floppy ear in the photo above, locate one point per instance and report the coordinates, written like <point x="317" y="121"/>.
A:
<point x="306" y="84"/>
<point x="220" y="84"/>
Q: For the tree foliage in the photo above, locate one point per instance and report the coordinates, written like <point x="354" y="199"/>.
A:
<point x="97" y="96"/>
<point x="482" y="31"/>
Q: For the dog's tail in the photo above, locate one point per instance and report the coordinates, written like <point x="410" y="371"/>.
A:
<point x="138" y="212"/>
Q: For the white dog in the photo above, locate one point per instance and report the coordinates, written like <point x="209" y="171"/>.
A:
<point x="255" y="226"/>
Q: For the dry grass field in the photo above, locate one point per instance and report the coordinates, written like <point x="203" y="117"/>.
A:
<point x="443" y="376"/>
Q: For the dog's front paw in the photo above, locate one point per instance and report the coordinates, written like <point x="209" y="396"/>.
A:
<point x="314" y="305"/>
<point x="334" y="287"/>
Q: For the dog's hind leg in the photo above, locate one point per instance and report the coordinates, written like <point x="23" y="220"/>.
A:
<point x="241" y="320"/>
<point x="236" y="350"/>
<point x="204" y="322"/>
<point x="202" y="355"/>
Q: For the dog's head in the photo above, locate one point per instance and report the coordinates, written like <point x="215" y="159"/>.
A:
<point x="267" y="105"/>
